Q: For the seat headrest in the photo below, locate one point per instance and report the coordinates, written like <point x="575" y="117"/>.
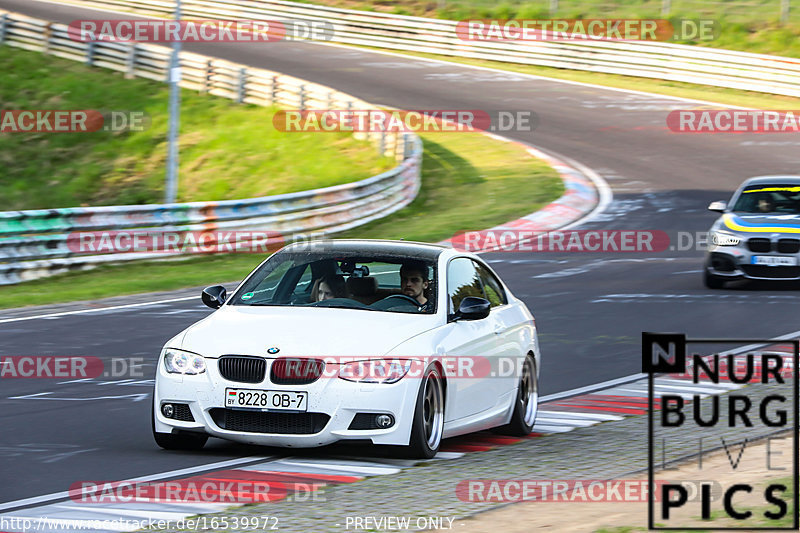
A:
<point x="362" y="286"/>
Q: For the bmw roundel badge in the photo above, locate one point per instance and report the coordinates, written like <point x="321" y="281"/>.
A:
<point x="273" y="350"/>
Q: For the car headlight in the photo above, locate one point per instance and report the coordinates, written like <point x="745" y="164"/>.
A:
<point x="724" y="239"/>
<point x="180" y="362"/>
<point x="375" y="371"/>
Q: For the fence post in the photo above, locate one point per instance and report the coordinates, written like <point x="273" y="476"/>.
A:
<point x="207" y="77"/>
<point x="666" y="7"/>
<point x="3" y="27"/>
<point x="382" y="143"/>
<point x="553" y="7"/>
<point x="274" y="92"/>
<point x="48" y="33"/>
<point x="131" y="67"/>
<point x="240" y="87"/>
<point x="784" y="10"/>
<point x="302" y="97"/>
<point x="90" y="53"/>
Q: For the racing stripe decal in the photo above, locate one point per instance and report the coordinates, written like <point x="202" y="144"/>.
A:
<point x="737" y="224"/>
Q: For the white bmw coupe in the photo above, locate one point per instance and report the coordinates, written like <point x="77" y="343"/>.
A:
<point x="393" y="342"/>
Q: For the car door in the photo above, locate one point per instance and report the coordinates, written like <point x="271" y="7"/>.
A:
<point x="510" y="335"/>
<point x="476" y="340"/>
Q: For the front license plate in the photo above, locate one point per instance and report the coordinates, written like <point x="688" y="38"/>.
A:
<point x="774" y="260"/>
<point x="266" y="399"/>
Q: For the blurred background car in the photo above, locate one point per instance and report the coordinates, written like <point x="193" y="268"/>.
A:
<point x="758" y="234"/>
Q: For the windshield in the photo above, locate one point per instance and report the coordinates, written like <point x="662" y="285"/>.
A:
<point x="769" y="198"/>
<point x="343" y="280"/>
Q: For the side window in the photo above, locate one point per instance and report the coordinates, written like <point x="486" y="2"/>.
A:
<point x="462" y="280"/>
<point x="491" y="286"/>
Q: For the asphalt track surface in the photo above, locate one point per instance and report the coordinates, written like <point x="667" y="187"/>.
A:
<point x="590" y="308"/>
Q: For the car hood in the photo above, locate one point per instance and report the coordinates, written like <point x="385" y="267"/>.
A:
<point x="297" y="331"/>
<point x="758" y="223"/>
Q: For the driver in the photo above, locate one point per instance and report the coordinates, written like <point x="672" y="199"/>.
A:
<point x="765" y="204"/>
<point x="330" y="286"/>
<point x="414" y="282"/>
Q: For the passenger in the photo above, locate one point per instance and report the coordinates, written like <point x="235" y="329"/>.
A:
<point x="414" y="282"/>
<point x="330" y="286"/>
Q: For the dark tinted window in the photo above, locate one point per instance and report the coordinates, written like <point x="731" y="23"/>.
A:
<point x="462" y="280"/>
<point x="491" y="286"/>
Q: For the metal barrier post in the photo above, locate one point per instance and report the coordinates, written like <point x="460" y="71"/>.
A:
<point x="207" y="78"/>
<point x="48" y="34"/>
<point x="3" y="26"/>
<point x="240" y="87"/>
<point x="302" y="98"/>
<point x="131" y="67"/>
<point x="90" y="53"/>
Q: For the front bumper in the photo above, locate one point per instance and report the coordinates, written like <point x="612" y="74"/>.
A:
<point x="737" y="262"/>
<point x="332" y="405"/>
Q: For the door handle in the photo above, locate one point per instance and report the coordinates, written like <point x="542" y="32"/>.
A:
<point x="499" y="330"/>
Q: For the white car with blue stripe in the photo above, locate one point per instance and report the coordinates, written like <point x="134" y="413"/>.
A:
<point x="757" y="236"/>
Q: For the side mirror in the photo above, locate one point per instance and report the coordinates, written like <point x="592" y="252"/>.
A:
<point x="214" y="296"/>
<point x="719" y="207"/>
<point x="473" y="308"/>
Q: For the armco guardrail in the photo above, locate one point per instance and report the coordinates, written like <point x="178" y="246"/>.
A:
<point x="35" y="244"/>
<point x="665" y="61"/>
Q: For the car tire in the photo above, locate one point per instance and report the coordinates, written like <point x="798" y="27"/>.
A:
<point x="711" y="281"/>
<point x="428" y="424"/>
<point x="176" y="441"/>
<point x="526" y="402"/>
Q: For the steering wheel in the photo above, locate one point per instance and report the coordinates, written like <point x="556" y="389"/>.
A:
<point x="404" y="297"/>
